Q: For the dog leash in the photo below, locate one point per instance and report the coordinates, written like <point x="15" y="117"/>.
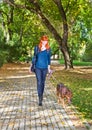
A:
<point x="50" y="75"/>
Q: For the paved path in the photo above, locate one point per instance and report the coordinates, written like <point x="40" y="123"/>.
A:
<point x="19" y="108"/>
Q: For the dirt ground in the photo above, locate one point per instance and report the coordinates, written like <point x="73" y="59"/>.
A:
<point x="17" y="68"/>
<point x="12" y="69"/>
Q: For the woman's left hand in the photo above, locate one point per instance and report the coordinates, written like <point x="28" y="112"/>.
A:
<point x="49" y="70"/>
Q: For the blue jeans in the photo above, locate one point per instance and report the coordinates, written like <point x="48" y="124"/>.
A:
<point x="41" y="76"/>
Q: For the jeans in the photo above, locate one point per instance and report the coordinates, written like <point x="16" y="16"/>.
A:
<point x="41" y="76"/>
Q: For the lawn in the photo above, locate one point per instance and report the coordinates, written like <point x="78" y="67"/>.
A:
<point x="79" y="80"/>
<point x="78" y="63"/>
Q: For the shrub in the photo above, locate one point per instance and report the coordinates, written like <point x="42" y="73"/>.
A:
<point x="3" y="56"/>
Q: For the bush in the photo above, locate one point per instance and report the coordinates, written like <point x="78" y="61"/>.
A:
<point x="88" y="53"/>
<point x="1" y="60"/>
<point x="3" y="55"/>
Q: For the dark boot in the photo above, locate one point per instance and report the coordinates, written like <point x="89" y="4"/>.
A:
<point x="40" y="100"/>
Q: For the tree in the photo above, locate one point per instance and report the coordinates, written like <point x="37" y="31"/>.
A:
<point x="61" y="19"/>
<point x="34" y="6"/>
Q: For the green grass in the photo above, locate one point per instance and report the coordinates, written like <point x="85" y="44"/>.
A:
<point x="78" y="63"/>
<point x="81" y="63"/>
<point x="81" y="86"/>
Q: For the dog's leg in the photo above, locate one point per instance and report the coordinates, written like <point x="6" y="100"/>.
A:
<point x="63" y="102"/>
<point x="59" y="99"/>
<point x="58" y="96"/>
<point x="57" y="93"/>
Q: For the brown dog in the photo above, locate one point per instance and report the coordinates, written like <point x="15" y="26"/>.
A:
<point x="63" y="94"/>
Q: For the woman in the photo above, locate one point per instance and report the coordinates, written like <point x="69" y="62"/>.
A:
<point x="42" y="66"/>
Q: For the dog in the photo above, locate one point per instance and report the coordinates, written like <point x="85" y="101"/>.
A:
<point x="64" y="94"/>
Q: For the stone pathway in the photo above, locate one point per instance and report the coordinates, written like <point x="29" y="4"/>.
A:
<point x="19" y="108"/>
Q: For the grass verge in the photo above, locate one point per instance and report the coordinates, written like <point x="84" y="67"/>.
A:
<point x="78" y="63"/>
<point x="80" y="83"/>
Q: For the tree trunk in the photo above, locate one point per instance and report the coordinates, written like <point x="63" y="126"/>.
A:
<point x="61" y="41"/>
<point x="67" y="59"/>
<point x="64" y="48"/>
<point x="10" y="21"/>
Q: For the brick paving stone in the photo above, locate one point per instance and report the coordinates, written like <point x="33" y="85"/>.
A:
<point x="19" y="108"/>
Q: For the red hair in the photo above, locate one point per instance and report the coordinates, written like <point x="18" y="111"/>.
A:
<point x="44" y="38"/>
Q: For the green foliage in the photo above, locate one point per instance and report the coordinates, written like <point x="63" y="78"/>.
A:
<point x="1" y="59"/>
<point x="54" y="46"/>
<point x="3" y="55"/>
<point x="79" y="16"/>
<point x="79" y="38"/>
<point x="88" y="53"/>
<point x="3" y="52"/>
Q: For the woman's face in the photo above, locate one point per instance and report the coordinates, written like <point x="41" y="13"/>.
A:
<point x="44" y="42"/>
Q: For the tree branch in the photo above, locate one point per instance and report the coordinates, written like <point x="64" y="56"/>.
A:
<point x="65" y="25"/>
<point x="20" y="6"/>
<point x="67" y="6"/>
<point x="2" y="12"/>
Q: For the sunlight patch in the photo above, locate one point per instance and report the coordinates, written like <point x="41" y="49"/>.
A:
<point x="87" y="89"/>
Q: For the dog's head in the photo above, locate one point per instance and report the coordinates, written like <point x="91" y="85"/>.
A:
<point x="60" y="85"/>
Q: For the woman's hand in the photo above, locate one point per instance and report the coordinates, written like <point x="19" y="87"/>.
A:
<point x="49" y="70"/>
<point x="30" y="69"/>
